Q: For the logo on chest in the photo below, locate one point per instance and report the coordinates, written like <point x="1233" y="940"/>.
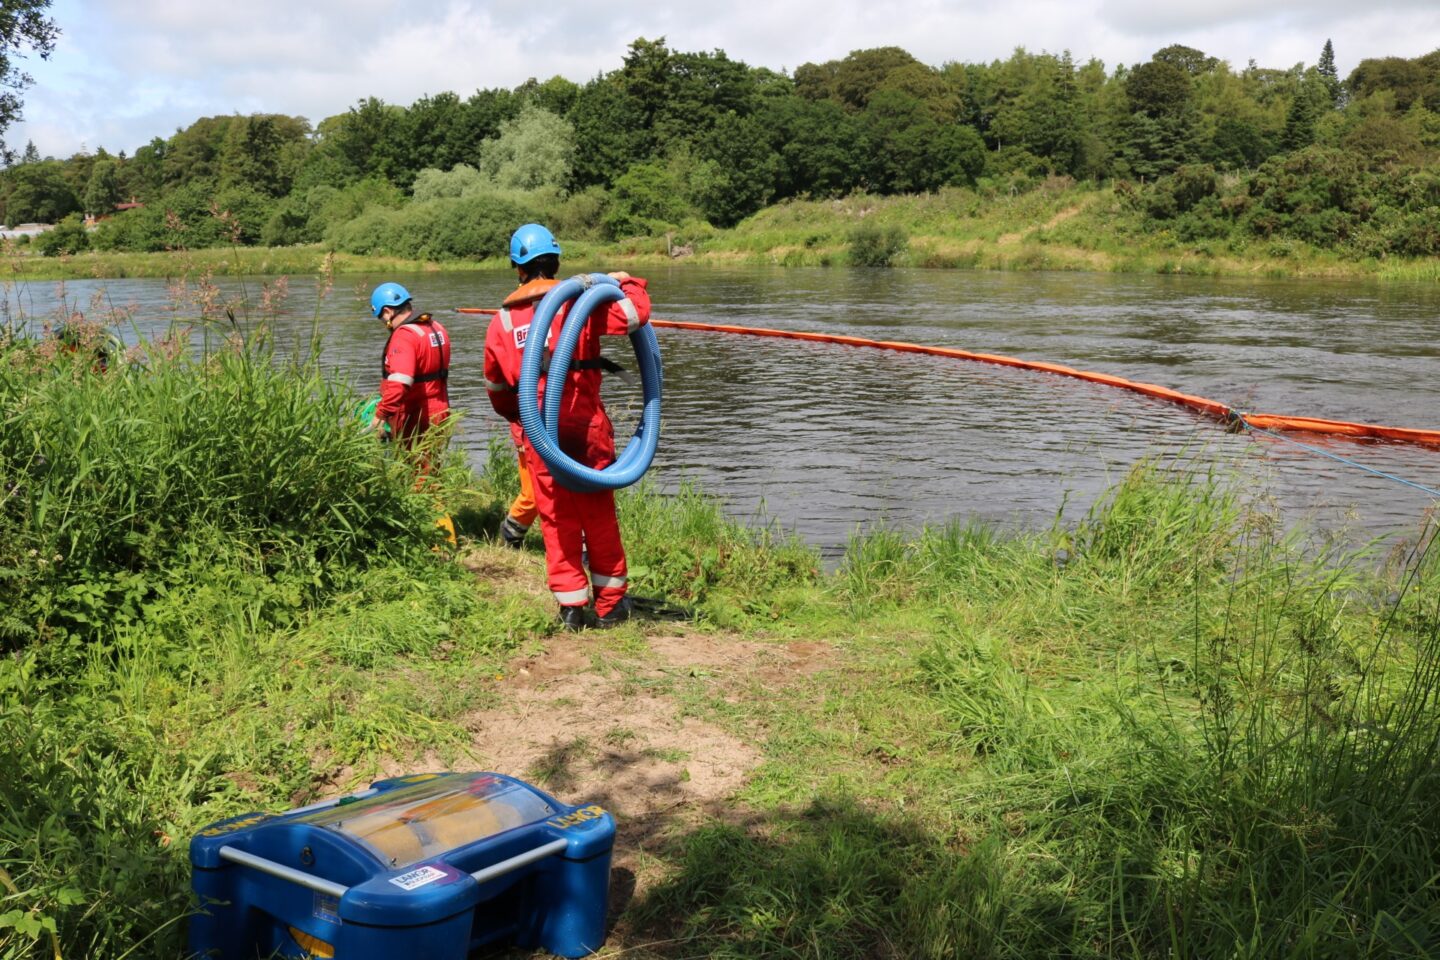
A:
<point x="436" y="340"/>
<point x="520" y="334"/>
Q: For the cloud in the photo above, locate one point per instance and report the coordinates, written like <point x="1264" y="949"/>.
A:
<point x="126" y="71"/>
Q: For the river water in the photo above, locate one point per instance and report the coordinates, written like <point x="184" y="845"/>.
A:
<point x="822" y="440"/>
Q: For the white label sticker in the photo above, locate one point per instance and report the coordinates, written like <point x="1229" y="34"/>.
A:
<point x="521" y="335"/>
<point x="418" y="878"/>
<point x="327" y="908"/>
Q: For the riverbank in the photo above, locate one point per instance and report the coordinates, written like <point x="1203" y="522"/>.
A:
<point x="1059" y="226"/>
<point x="1166" y="729"/>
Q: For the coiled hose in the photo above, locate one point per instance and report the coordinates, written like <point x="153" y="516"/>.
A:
<point x="588" y="291"/>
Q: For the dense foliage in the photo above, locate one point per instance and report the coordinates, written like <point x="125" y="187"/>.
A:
<point x="673" y="141"/>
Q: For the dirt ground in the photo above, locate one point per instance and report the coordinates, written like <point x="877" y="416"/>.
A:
<point x="609" y="717"/>
<point x="591" y="723"/>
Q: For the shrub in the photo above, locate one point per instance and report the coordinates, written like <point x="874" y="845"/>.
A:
<point x="478" y="225"/>
<point x="646" y="200"/>
<point x="68" y="236"/>
<point x="875" y="246"/>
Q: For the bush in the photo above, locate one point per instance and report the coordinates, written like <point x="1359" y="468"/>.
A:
<point x="1179" y="193"/>
<point x="646" y="200"/>
<point x="67" y="237"/>
<point x="474" y="226"/>
<point x="875" y="246"/>
<point x="116" y="479"/>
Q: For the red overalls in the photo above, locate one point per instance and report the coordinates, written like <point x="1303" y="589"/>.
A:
<point x="413" y="373"/>
<point x="573" y="522"/>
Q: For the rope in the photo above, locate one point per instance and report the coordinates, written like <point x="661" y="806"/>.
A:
<point x="1240" y="418"/>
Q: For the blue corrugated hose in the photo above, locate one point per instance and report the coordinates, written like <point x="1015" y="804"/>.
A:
<point x="588" y="292"/>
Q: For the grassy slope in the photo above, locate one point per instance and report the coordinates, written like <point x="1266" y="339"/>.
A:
<point x="1054" y="227"/>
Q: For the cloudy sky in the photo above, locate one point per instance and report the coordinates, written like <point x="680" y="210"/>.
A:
<point x="126" y="71"/>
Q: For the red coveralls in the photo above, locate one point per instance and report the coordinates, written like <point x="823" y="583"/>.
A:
<point x="413" y="373"/>
<point x="573" y="522"/>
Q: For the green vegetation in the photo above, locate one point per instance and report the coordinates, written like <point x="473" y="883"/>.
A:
<point x="1167" y="729"/>
<point x="1181" y="163"/>
<point x="1166" y="732"/>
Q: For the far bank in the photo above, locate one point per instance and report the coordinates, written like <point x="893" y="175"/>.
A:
<point x="1057" y="226"/>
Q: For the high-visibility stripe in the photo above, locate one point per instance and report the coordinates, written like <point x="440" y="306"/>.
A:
<point x="572" y="598"/>
<point x="494" y="387"/>
<point x="600" y="580"/>
<point x="632" y="316"/>
<point x="404" y="378"/>
<point x="505" y="320"/>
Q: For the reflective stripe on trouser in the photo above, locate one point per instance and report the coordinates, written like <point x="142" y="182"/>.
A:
<point x="575" y="523"/>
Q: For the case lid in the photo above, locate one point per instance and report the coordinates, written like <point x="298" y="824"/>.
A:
<point x="438" y="814"/>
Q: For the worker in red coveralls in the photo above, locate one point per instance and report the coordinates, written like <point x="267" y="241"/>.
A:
<point x="413" y="368"/>
<point x="573" y="523"/>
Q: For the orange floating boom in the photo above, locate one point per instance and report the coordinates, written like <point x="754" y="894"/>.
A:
<point x="1210" y="408"/>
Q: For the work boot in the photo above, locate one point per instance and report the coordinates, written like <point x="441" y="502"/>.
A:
<point x="572" y="618"/>
<point x="513" y="533"/>
<point x="623" y="611"/>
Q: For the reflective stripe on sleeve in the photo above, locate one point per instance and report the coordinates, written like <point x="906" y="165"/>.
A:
<point x="572" y="598"/>
<point x="404" y="378"/>
<point x="632" y="316"/>
<point x="494" y="387"/>
<point x="600" y="580"/>
<point x="505" y="320"/>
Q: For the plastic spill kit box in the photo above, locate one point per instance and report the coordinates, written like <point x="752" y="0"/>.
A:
<point x="429" y="866"/>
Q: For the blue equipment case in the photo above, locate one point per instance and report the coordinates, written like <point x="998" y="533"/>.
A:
<point x="431" y="866"/>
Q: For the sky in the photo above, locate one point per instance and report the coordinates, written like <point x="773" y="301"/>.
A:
<point x="126" y="71"/>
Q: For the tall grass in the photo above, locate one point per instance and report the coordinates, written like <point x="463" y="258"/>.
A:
<point x="168" y="459"/>
<point x="219" y="594"/>
<point x="1168" y="730"/>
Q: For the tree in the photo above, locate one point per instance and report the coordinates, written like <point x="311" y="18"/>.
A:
<point x="1192" y="61"/>
<point x="253" y="152"/>
<point x="1304" y="111"/>
<point x="39" y="194"/>
<point x="818" y="144"/>
<point x="536" y="149"/>
<point x="23" y="26"/>
<point x="103" y="190"/>
<point x="609" y="133"/>
<point x="1329" y="75"/>
<point x="736" y="175"/>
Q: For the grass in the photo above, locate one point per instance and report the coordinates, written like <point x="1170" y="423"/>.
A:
<point x="1165" y="730"/>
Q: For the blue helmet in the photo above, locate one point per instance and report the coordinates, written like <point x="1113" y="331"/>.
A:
<point x="388" y="295"/>
<point x="531" y="241"/>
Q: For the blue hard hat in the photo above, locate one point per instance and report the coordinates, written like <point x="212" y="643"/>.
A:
<point x="388" y="295"/>
<point x="531" y="241"/>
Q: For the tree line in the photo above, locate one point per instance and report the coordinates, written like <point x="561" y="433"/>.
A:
<point x="673" y="138"/>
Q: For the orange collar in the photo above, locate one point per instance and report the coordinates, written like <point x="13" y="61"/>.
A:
<point x="529" y="292"/>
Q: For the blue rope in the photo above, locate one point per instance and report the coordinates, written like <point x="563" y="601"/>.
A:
<point x="1240" y="417"/>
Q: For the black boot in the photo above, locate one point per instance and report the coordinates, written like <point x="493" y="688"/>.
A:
<point x="623" y="611"/>
<point x="513" y="533"/>
<point x="573" y="618"/>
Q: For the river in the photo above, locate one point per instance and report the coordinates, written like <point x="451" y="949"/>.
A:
<point x="822" y="440"/>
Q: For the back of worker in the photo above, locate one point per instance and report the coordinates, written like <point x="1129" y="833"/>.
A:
<point x="572" y="522"/>
<point x="414" y="366"/>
